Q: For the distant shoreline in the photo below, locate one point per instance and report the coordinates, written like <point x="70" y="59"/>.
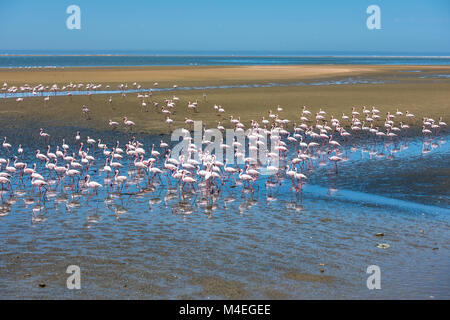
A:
<point x="65" y="60"/>
<point x="224" y="55"/>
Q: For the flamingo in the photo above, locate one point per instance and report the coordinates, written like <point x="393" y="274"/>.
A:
<point x="120" y="180"/>
<point x="106" y="168"/>
<point x="169" y="122"/>
<point x="426" y="131"/>
<point x="30" y="171"/>
<point x="187" y="179"/>
<point x="113" y="124"/>
<point x="92" y="184"/>
<point x="72" y="173"/>
<point x="85" y="110"/>
<point x="3" y="181"/>
<point x="39" y="183"/>
<point x="10" y="169"/>
<point x="333" y="142"/>
<point x="20" y="150"/>
<point x="130" y="124"/>
<point x="409" y="115"/>
<point x="246" y="178"/>
<point x="335" y="160"/>
<point x="6" y="145"/>
<point x="44" y="135"/>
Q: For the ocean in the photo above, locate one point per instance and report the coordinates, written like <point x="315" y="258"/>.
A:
<point x="25" y="59"/>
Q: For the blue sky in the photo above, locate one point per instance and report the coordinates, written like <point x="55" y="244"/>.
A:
<point x="415" y="26"/>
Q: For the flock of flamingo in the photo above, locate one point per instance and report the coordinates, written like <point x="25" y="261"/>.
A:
<point x="318" y="139"/>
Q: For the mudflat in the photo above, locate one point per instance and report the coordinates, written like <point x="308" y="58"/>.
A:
<point x="396" y="88"/>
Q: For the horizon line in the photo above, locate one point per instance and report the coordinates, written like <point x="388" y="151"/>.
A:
<point x="204" y="54"/>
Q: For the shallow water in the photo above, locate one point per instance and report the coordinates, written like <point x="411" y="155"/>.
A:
<point x="344" y="81"/>
<point x="406" y="77"/>
<point x="84" y="59"/>
<point x="154" y="242"/>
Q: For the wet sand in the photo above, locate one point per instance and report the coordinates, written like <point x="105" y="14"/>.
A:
<point x="426" y="98"/>
<point x="250" y="248"/>
<point x="421" y="96"/>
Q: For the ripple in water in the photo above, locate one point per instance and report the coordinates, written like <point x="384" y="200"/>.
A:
<point x="152" y="241"/>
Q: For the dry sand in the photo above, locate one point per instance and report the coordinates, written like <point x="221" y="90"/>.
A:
<point x="198" y="75"/>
